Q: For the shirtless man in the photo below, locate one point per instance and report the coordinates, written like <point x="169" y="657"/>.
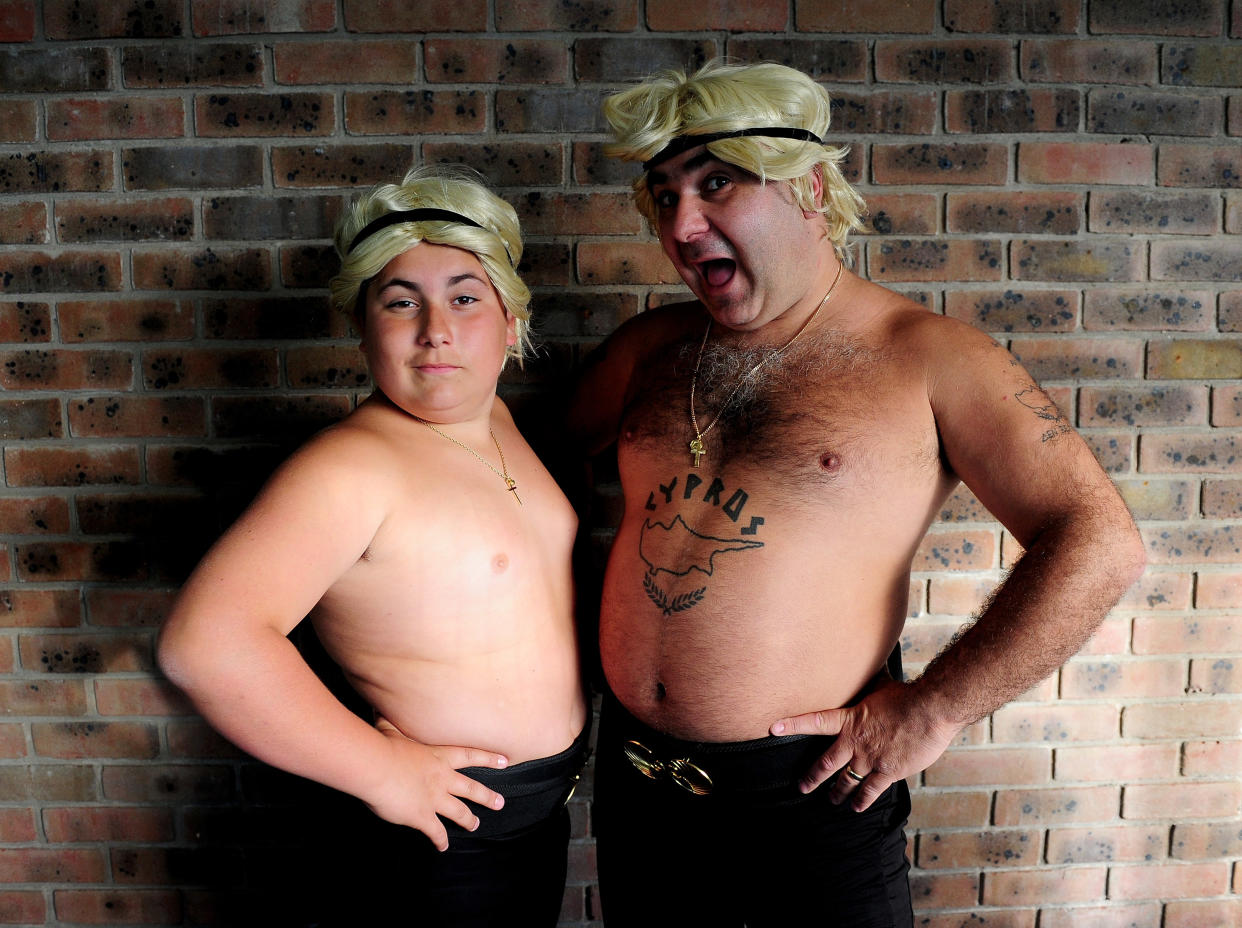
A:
<point x="431" y="551"/>
<point x="783" y="444"/>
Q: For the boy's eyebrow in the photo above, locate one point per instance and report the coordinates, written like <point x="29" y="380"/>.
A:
<point x="411" y="285"/>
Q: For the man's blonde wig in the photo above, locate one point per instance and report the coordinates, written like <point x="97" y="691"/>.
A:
<point x="496" y="242"/>
<point x="725" y="98"/>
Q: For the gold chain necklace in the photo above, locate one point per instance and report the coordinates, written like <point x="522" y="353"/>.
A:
<point x="509" y="481"/>
<point x="696" y="444"/>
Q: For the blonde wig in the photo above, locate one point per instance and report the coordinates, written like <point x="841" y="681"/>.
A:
<point x="455" y="208"/>
<point x="663" y="114"/>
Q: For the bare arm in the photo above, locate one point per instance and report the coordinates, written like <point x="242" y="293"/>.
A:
<point x="1015" y="450"/>
<point x="225" y="645"/>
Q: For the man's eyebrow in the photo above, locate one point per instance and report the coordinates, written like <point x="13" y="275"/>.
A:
<point x="690" y="164"/>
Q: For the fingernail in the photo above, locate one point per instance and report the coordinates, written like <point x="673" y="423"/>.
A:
<point x="475" y="826"/>
<point x="498" y="802"/>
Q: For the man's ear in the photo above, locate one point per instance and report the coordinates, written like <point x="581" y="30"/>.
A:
<point x="817" y="189"/>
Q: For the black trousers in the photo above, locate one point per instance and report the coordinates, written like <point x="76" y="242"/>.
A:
<point x="753" y="852"/>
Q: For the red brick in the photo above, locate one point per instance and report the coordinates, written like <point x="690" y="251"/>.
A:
<point x="1039" y="16"/>
<point x="178" y="65"/>
<point x="125" y="320"/>
<point x="1158" y="589"/>
<point x="12" y="741"/>
<point x="1230" y="317"/>
<point x="1094" y="260"/>
<point x="962" y="595"/>
<point x="1191" y="800"/>
<point x="202" y="269"/>
<point x="339" y="165"/>
<point x="991" y="767"/>
<point x="44" y="865"/>
<point x="1015" y="311"/>
<point x="71" y="120"/>
<point x="1085" y="163"/>
<point x="950" y="809"/>
<point x="1226" y="406"/>
<point x="39" y="418"/>
<point x="17" y="826"/>
<point x="37" y="271"/>
<point x="127" y="608"/>
<point x="23" y="224"/>
<point x="345" y="61"/>
<point x="140" y="697"/>
<point x="1111" y="915"/>
<point x="24" y="906"/>
<point x="44" y="697"/>
<point x="25" y="321"/>
<point x="69" y="560"/>
<point x="173" y="783"/>
<point x="327" y="366"/>
<point x="1216" y="590"/>
<point x="111" y="906"/>
<point x="56" y="172"/>
<point x="1212" y="758"/>
<point x="197" y="739"/>
<point x="935" y="260"/>
<point x="81" y="653"/>
<point x="1100" y="764"/>
<point x="239" y="17"/>
<point x="35" y="515"/>
<point x="525" y="16"/>
<point x="168" y="218"/>
<point x="65" y="19"/>
<point x="81" y="740"/>
<point x="946" y="61"/>
<point x="18" y="19"/>
<point x="1190" y="719"/>
<point x="1202" y="634"/>
<point x="496" y="61"/>
<point x="18" y="120"/>
<point x="137" y="416"/>
<point x="1008" y="111"/>
<point x="376" y="112"/>
<point x="1198" y="261"/>
<point x="1219" y="913"/>
<point x="27" y="608"/>
<point x="1102" y="844"/>
<point x="1222" y="498"/>
<point x="1171" y="405"/>
<point x="956" y="550"/>
<point x="1021" y="724"/>
<point x="1191" y="453"/>
<point x="628" y="263"/>
<point x="197" y="168"/>
<point x="1168" y="881"/>
<point x="1155" y="17"/>
<point x="44" y="369"/>
<point x="938" y="891"/>
<point x="261" y="115"/>
<point x="1148" y="309"/>
<point x="1053" y="212"/>
<point x="1068" y="358"/>
<point x="210" y="368"/>
<point x="56" y="782"/>
<point x="1233" y="202"/>
<point x="756" y="16"/>
<point x="73" y="824"/>
<point x="949" y="163"/>
<point x="1154" y="212"/>
<point x="922" y="641"/>
<point x="1200" y="165"/>
<point x="1219" y="676"/>
<point x="837" y="60"/>
<point x="1123" y="679"/>
<point x="1036" y="887"/>
<point x="1057" y="806"/>
<point x="1145" y="112"/>
<point x="71" y="466"/>
<point x="901" y="214"/>
<point x="276" y="417"/>
<point x="993" y="848"/>
<point x="1195" y="359"/>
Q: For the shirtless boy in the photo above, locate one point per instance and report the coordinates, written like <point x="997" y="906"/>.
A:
<point x="784" y="443"/>
<point x="431" y="550"/>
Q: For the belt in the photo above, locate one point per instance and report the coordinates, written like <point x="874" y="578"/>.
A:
<point x="713" y="768"/>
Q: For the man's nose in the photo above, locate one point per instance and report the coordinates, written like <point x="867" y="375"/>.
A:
<point x="688" y="219"/>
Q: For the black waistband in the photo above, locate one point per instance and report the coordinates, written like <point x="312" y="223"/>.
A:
<point x="533" y="790"/>
<point x="734" y="766"/>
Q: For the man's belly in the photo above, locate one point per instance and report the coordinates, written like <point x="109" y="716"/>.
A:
<point x="720" y="658"/>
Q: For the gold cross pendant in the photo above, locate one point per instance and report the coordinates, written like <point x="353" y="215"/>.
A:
<point x="513" y="489"/>
<point x="697" y="449"/>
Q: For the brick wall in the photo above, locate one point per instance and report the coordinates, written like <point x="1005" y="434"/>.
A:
<point x="1065" y="174"/>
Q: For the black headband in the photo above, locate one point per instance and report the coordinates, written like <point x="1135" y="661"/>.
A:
<point x="421" y="214"/>
<point x="685" y="142"/>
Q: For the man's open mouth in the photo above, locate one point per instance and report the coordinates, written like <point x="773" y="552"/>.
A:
<point x="718" y="271"/>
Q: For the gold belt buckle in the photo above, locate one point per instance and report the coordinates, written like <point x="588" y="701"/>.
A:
<point x="682" y="771"/>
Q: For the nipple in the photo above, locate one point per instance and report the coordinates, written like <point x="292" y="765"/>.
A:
<point x="500" y="563"/>
<point x="830" y="461"/>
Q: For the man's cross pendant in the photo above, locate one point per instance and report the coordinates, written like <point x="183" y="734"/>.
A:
<point x="697" y="449"/>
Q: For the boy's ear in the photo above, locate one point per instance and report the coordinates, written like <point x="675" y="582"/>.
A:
<point x="510" y="328"/>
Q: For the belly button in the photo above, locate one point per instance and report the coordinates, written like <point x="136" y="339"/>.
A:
<point x="500" y="563"/>
<point x="661" y="692"/>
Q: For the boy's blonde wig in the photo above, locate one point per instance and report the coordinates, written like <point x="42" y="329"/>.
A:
<point x="496" y="241"/>
<point x="725" y="98"/>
